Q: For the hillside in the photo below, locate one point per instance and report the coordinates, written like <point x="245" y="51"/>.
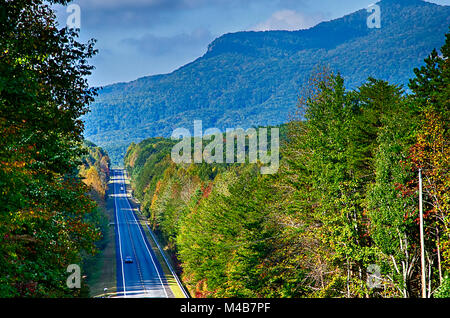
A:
<point x="253" y="78"/>
<point x="339" y="215"/>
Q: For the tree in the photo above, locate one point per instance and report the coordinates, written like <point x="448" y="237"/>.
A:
<point x="431" y="152"/>
<point x="224" y="240"/>
<point x="392" y="215"/>
<point x="43" y="93"/>
<point x="327" y="159"/>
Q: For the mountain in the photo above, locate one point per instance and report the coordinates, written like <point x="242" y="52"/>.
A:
<point x="253" y="78"/>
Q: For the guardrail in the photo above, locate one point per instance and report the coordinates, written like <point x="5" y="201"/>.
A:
<point x="186" y="294"/>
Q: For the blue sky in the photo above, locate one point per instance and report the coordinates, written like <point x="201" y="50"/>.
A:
<point x="145" y="37"/>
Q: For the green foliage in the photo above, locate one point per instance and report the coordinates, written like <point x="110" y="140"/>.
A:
<point x="44" y="213"/>
<point x="223" y="241"/>
<point x="391" y="215"/>
<point x="325" y="181"/>
<point x="95" y="171"/>
<point x="444" y="289"/>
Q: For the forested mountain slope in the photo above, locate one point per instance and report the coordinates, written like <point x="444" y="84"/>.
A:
<point x="253" y="78"/>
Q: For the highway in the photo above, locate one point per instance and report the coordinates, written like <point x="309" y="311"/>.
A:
<point x="143" y="277"/>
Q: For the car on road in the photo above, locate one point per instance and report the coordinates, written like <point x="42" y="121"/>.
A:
<point x="128" y="260"/>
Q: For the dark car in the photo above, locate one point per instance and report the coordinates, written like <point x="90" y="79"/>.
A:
<point x="128" y="259"/>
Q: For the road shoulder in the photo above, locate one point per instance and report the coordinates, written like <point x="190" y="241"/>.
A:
<point x="106" y="276"/>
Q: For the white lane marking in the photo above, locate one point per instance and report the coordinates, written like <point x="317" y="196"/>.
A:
<point x="120" y="242"/>
<point x="128" y="222"/>
<point x="145" y="242"/>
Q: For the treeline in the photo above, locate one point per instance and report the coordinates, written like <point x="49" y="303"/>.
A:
<point x="95" y="170"/>
<point x="47" y="219"/>
<point x="341" y="216"/>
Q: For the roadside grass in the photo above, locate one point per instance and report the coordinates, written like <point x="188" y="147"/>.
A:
<point x="102" y="274"/>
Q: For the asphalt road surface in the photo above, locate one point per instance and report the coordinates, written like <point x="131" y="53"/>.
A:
<point x="139" y="273"/>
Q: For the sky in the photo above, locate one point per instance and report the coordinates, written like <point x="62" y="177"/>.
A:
<point x="137" y="38"/>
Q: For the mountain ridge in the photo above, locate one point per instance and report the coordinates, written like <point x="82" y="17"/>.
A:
<point x="221" y="88"/>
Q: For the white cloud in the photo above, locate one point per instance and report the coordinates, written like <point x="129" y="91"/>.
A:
<point x="286" y="20"/>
